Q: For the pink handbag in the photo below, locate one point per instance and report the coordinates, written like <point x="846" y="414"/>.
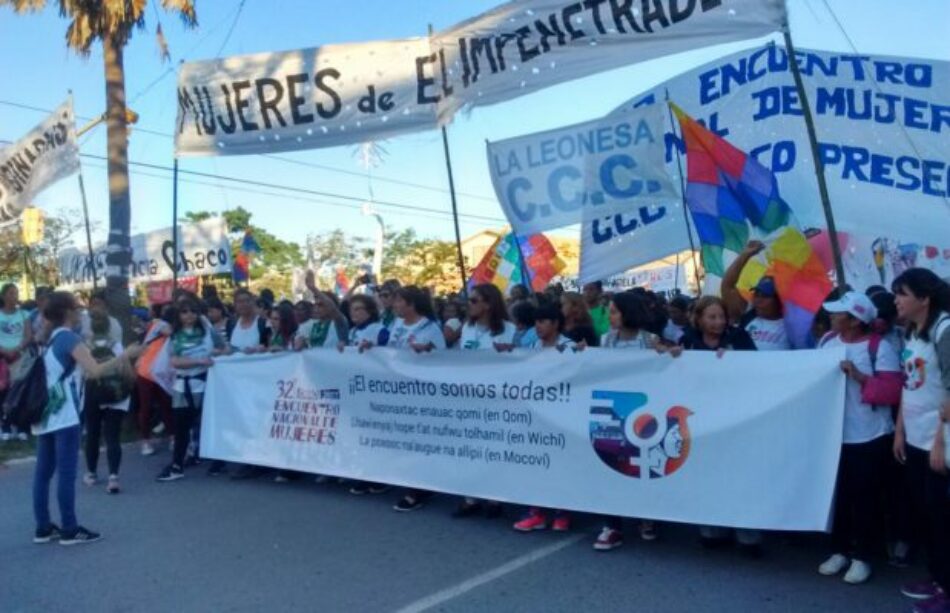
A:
<point x="882" y="389"/>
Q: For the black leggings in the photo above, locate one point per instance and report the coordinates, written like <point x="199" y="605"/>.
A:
<point x="102" y="421"/>
<point x="185" y="420"/>
<point x="857" y="513"/>
<point x="929" y="491"/>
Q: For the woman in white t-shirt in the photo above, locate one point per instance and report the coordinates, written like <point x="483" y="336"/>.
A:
<point x="415" y="329"/>
<point x="869" y="360"/>
<point x="920" y="440"/>
<point x="16" y="335"/>
<point x="487" y="328"/>
<point x="629" y="316"/>
<point x="366" y="331"/>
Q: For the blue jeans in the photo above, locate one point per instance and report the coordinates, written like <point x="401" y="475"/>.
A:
<point x="56" y="452"/>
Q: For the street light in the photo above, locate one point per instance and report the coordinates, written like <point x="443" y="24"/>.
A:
<point x="367" y="209"/>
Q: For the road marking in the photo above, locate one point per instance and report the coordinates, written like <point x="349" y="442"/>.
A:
<point x="507" y="568"/>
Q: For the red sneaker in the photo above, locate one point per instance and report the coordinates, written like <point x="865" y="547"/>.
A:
<point x="534" y="521"/>
<point x="561" y="523"/>
<point x="608" y="539"/>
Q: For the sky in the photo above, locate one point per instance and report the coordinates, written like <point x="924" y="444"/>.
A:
<point x="38" y="71"/>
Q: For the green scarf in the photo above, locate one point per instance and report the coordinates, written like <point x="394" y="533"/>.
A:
<point x="319" y="332"/>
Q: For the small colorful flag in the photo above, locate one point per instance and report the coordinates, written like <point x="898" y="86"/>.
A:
<point x="341" y="283"/>
<point x="726" y="191"/>
<point x="250" y="245"/>
<point x="512" y="257"/>
<point x="241" y="269"/>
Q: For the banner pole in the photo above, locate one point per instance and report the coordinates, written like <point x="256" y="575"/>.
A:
<point x="819" y="167"/>
<point x="175" y="226"/>
<point x="85" y="216"/>
<point x="455" y="210"/>
<point x="686" y="213"/>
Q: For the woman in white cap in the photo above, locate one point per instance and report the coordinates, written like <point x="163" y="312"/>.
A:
<point x="874" y="382"/>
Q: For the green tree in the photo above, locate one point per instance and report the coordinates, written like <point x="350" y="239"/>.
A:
<point x="111" y="22"/>
<point x="42" y="259"/>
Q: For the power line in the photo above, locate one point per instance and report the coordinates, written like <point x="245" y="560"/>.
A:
<point x="302" y="190"/>
<point x="234" y="23"/>
<point x="283" y="159"/>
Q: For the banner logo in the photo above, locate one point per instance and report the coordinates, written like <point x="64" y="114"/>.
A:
<point x="631" y="439"/>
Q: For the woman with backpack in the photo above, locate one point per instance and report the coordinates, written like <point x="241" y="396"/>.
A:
<point x="873" y="374"/>
<point x="64" y="364"/>
<point x="190" y="349"/>
<point x="106" y="403"/>
<point x="920" y="439"/>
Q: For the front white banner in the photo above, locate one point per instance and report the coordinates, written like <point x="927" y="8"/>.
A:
<point x="883" y="126"/>
<point x="746" y="440"/>
<point x="351" y="93"/>
<point x="556" y="178"/>
<point x="203" y="249"/>
<point x="45" y="155"/>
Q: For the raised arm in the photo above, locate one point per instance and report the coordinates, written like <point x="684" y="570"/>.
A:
<point x="735" y="304"/>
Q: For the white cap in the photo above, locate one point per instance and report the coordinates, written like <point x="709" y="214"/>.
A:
<point x="855" y="303"/>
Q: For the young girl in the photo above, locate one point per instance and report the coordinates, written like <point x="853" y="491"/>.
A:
<point x="67" y="361"/>
<point x="920" y="440"/>
<point x="867" y="435"/>
<point x="711" y="332"/>
<point x="578" y="324"/>
<point x="101" y="416"/>
<point x="191" y="348"/>
<point x="417" y="330"/>
<point x="549" y="322"/>
<point x="283" y="323"/>
<point x="629" y="316"/>
<point x="487" y="329"/>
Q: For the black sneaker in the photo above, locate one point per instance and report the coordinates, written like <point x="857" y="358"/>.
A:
<point x="171" y="473"/>
<point x="51" y="533"/>
<point x="408" y="503"/>
<point x="467" y="509"/>
<point x="379" y="488"/>
<point x="217" y="468"/>
<point x="79" y="536"/>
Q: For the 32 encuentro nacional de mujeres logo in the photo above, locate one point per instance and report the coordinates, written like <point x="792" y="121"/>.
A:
<point x="635" y="439"/>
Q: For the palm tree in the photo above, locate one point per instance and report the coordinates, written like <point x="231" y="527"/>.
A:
<point x="112" y="22"/>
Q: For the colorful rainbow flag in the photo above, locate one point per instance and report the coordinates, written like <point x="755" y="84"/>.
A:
<point x="340" y="283"/>
<point x="512" y="257"/>
<point x="727" y="191"/>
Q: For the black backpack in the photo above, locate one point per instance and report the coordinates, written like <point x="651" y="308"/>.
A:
<point x="109" y="389"/>
<point x="28" y="396"/>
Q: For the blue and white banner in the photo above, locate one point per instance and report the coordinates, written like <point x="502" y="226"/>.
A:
<point x="557" y="178"/>
<point x="750" y="440"/>
<point x="883" y="124"/>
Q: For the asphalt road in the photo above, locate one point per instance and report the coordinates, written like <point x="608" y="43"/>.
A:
<point x="211" y="544"/>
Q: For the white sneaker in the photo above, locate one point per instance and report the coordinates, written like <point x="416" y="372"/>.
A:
<point x="90" y="479"/>
<point x="859" y="572"/>
<point x="5" y="436"/>
<point x="23" y="436"/>
<point x="157" y="430"/>
<point x="147" y="449"/>
<point x="833" y="565"/>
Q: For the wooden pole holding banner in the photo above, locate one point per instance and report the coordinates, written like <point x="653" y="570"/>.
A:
<point x="819" y="167"/>
<point x="85" y="216"/>
<point x="175" y="226"/>
<point x="679" y="167"/>
<point x="455" y="210"/>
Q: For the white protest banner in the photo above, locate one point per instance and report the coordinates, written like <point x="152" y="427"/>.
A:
<point x="350" y="93"/>
<point x="45" y="155"/>
<point x="883" y="124"/>
<point x="555" y="178"/>
<point x="748" y="440"/>
<point x="203" y="249"/>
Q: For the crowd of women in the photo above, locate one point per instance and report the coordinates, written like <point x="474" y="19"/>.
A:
<point x="892" y="482"/>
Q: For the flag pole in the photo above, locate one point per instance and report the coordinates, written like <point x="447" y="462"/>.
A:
<point x="819" y="167"/>
<point x="175" y="226"/>
<point x="455" y="211"/>
<point x="686" y="213"/>
<point x="85" y="215"/>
